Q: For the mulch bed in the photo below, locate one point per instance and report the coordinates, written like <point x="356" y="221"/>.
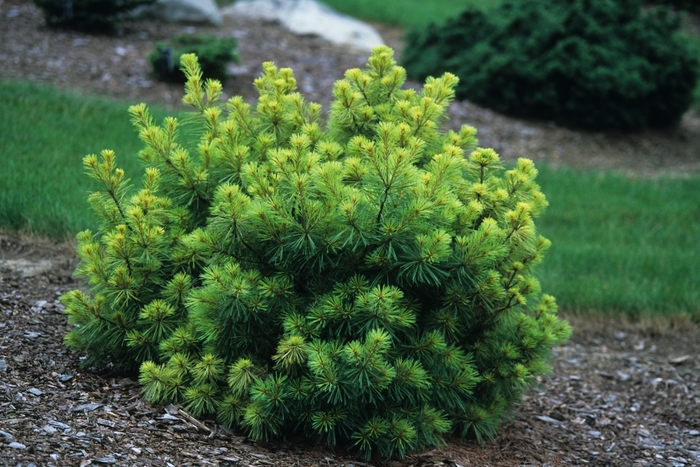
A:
<point x="619" y="395"/>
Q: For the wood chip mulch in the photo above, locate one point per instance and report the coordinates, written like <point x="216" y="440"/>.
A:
<point x="619" y="395"/>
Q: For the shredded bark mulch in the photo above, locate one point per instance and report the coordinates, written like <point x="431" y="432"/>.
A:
<point x="619" y="395"/>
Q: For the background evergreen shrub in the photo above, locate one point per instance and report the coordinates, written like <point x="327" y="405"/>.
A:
<point x="594" y="64"/>
<point x="691" y="6"/>
<point x="370" y="284"/>
<point x="88" y="15"/>
<point x="214" y="55"/>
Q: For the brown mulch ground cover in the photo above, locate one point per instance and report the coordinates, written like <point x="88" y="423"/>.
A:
<point x="620" y="394"/>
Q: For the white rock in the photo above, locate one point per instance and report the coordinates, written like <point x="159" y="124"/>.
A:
<point x="306" y="17"/>
<point x="188" y="11"/>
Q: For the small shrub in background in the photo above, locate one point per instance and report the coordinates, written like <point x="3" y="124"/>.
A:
<point x="593" y="64"/>
<point x="101" y="16"/>
<point x="214" y="55"/>
<point x="370" y="285"/>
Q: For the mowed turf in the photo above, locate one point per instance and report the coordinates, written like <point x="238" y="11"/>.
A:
<point x="44" y="136"/>
<point x="407" y="13"/>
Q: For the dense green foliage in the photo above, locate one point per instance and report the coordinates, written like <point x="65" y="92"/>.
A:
<point x="370" y="284"/>
<point x="639" y="259"/>
<point x="88" y="15"/>
<point x="593" y="64"/>
<point x="214" y="55"/>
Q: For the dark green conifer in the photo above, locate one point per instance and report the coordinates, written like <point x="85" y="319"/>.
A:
<point x="370" y="285"/>
<point x="97" y="16"/>
<point x="586" y="64"/>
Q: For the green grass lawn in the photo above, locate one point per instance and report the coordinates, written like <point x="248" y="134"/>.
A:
<point x="45" y="135"/>
<point x="407" y="13"/>
<point x="619" y="244"/>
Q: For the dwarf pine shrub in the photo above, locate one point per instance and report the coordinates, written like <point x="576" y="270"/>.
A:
<point x="370" y="284"/>
<point x="591" y="64"/>
<point x="214" y="54"/>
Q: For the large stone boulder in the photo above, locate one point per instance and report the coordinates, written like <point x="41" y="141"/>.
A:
<point x="306" y="17"/>
<point x="186" y="11"/>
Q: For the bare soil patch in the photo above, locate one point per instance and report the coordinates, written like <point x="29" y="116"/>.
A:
<point x="619" y="394"/>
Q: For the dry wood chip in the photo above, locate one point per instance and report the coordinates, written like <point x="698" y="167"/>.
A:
<point x="194" y="421"/>
<point x="105" y="460"/>
<point x="87" y="407"/>
<point x="108" y="423"/>
<point x="679" y="360"/>
<point x="547" y="419"/>
<point x="59" y="425"/>
<point x="168" y="417"/>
